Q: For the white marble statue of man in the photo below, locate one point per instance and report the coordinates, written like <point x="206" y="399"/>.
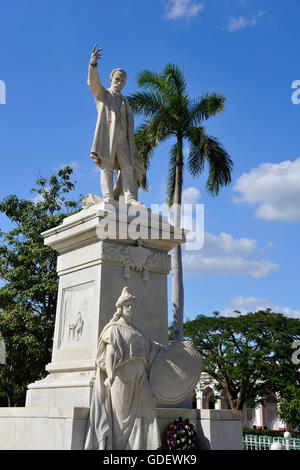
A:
<point x="113" y="146"/>
<point x="123" y="411"/>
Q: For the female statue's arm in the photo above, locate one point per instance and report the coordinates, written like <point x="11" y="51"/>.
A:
<point x="110" y="356"/>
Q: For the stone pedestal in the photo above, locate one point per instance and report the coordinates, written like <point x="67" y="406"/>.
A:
<point x="93" y="267"/>
<point x="102" y="249"/>
<point x="42" y="428"/>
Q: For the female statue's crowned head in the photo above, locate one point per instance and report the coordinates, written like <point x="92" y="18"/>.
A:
<point x="126" y="305"/>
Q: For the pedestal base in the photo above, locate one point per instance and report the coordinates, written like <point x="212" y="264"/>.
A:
<point x="216" y="429"/>
<point x="44" y="428"/>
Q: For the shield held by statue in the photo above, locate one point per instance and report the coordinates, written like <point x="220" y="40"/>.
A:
<point x="175" y="373"/>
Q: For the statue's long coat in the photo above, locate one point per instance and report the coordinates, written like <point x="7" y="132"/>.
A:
<point x="106" y="122"/>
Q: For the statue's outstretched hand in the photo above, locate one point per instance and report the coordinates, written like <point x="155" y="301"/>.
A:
<point x="96" y="55"/>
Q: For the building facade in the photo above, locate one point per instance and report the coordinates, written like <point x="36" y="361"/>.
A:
<point x="260" y="417"/>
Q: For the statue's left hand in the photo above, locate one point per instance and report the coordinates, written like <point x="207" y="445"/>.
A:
<point x="109" y="382"/>
<point x="96" y="159"/>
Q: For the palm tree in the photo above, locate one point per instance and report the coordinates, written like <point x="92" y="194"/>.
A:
<point x="170" y="112"/>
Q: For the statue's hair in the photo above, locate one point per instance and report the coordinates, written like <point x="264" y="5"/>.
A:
<point x="117" y="70"/>
<point x="124" y="299"/>
<point x="128" y="299"/>
<point x="117" y="315"/>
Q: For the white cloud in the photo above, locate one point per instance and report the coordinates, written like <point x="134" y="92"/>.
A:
<point x="236" y="23"/>
<point x="274" y="188"/>
<point x="182" y="8"/>
<point x="37" y="198"/>
<point x="191" y="195"/>
<point x="247" y="304"/>
<point x="224" y="255"/>
<point x="241" y="22"/>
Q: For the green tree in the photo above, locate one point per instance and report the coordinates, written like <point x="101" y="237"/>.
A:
<point x="249" y="355"/>
<point x="289" y="407"/>
<point x="28" y="293"/>
<point x="170" y="112"/>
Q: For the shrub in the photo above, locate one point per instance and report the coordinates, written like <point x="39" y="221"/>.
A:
<point x="267" y="432"/>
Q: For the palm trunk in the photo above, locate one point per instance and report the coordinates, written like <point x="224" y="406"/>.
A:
<point x="8" y="399"/>
<point x="177" y="276"/>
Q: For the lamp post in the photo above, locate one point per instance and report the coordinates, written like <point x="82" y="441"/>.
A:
<point x="287" y="435"/>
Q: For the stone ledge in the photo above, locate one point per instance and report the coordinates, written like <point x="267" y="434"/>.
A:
<point x="72" y="366"/>
<point x="227" y="415"/>
<point x="81" y="229"/>
<point x="45" y="412"/>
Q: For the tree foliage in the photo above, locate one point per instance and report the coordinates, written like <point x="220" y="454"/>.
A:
<point x="289" y="407"/>
<point x="29" y="282"/>
<point x="249" y="355"/>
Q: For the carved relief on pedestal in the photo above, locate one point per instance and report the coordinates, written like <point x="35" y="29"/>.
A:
<point x="75" y="308"/>
<point x="76" y="328"/>
<point x="136" y="258"/>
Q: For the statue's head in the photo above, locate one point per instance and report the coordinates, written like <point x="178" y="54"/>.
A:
<point x="118" y="79"/>
<point x="126" y="304"/>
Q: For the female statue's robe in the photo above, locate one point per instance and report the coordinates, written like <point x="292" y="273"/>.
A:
<point x="123" y="417"/>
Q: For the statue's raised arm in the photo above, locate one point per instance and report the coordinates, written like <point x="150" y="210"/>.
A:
<point x="93" y="77"/>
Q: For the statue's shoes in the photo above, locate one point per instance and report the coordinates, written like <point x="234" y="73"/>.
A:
<point x="133" y="202"/>
<point x="109" y="200"/>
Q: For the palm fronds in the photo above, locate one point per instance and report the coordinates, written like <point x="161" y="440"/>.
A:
<point x="149" y="80"/>
<point x="147" y="103"/>
<point x="220" y="165"/>
<point x="174" y="79"/>
<point x="206" y="106"/>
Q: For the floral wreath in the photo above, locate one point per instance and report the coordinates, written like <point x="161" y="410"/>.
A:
<point x="181" y="435"/>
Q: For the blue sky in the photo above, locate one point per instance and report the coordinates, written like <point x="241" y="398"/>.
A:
<point x="246" y="50"/>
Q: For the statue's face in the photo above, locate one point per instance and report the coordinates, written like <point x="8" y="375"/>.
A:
<point x="128" y="311"/>
<point x="118" y="81"/>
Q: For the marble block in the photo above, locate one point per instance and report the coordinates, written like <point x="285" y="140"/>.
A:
<point x="43" y="428"/>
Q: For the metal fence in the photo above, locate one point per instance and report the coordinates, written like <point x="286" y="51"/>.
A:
<point x="255" y="442"/>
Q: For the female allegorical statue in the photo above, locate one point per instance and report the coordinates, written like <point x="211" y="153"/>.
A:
<point x="123" y="412"/>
